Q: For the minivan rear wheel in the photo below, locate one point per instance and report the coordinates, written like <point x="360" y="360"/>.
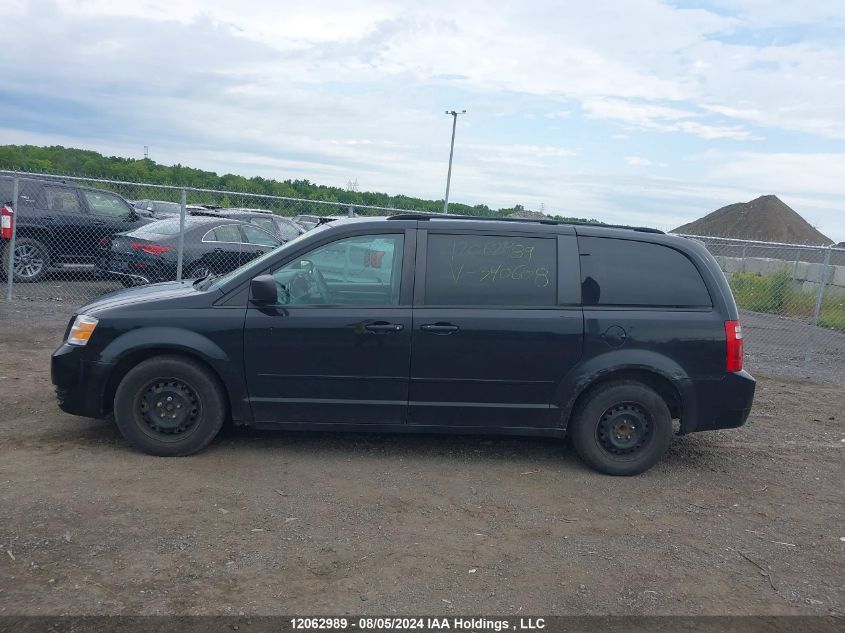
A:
<point x="621" y="428"/>
<point x="169" y="406"/>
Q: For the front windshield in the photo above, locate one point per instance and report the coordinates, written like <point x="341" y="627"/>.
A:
<point x="258" y="262"/>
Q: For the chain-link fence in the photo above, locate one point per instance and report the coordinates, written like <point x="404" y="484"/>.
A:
<point x="74" y="239"/>
<point x="792" y="302"/>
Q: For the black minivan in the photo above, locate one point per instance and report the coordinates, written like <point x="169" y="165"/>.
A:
<point x="421" y="323"/>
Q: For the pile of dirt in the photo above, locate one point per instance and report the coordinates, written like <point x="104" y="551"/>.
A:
<point x="766" y="219"/>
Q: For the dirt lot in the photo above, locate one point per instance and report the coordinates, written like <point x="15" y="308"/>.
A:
<point x="739" y="522"/>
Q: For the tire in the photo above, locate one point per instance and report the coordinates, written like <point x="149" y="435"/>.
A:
<point x="32" y="260"/>
<point x="621" y="428"/>
<point x="182" y="425"/>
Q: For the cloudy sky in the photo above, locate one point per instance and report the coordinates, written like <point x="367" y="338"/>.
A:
<point x="639" y="111"/>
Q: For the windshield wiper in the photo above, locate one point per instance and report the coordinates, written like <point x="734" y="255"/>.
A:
<point x="204" y="282"/>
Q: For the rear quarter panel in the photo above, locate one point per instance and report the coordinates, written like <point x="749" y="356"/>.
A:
<point x="684" y="345"/>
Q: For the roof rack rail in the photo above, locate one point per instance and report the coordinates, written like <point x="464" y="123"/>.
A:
<point x="450" y="216"/>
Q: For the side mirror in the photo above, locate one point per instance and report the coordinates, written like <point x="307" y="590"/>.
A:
<point x="262" y="290"/>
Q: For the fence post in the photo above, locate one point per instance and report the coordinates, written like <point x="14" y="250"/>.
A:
<point x="744" y="247"/>
<point x="818" y="308"/>
<point x="181" y="248"/>
<point x="10" y="267"/>
<point x="795" y="265"/>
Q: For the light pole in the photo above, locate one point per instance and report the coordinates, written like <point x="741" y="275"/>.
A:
<point x="454" y="114"/>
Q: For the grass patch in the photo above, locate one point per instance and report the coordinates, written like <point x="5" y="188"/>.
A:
<point x="776" y="294"/>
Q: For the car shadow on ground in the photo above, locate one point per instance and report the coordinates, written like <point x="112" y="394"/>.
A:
<point x="689" y="452"/>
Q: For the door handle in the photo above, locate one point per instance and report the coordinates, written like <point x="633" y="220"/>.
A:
<point x="439" y="328"/>
<point x="99" y="223"/>
<point x="384" y="327"/>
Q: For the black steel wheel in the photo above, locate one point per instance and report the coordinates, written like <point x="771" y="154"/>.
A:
<point x="624" y="429"/>
<point x="621" y="428"/>
<point x="170" y="406"/>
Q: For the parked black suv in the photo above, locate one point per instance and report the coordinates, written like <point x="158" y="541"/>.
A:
<point x="425" y="324"/>
<point x="61" y="223"/>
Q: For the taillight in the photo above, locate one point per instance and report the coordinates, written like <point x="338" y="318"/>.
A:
<point x="104" y="241"/>
<point x="150" y="249"/>
<point x="733" y="335"/>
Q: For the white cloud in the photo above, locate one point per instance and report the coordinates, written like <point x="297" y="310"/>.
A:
<point x="638" y="161"/>
<point x="331" y="90"/>
<point x="660" y="118"/>
<point x="790" y="172"/>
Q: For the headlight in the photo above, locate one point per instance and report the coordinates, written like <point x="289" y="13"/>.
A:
<point x="81" y="330"/>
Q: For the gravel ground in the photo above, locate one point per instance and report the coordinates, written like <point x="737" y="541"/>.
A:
<point x="731" y="522"/>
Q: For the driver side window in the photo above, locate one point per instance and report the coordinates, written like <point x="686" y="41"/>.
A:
<point x="365" y="270"/>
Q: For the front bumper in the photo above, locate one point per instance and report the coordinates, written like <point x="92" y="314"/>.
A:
<point x="721" y="404"/>
<point x="80" y="384"/>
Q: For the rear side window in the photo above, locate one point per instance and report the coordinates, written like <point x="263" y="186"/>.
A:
<point x="490" y="270"/>
<point x="226" y="233"/>
<point x="61" y="199"/>
<point x="627" y="273"/>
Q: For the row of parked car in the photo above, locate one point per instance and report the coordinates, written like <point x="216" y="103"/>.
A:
<point x="60" y="223"/>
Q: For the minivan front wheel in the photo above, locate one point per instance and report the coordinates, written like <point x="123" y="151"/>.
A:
<point x="169" y="406"/>
<point x="621" y="428"/>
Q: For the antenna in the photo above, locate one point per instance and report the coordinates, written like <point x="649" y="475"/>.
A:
<point x="146" y="151"/>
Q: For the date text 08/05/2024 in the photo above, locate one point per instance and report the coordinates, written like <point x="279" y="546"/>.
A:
<point x="468" y="625"/>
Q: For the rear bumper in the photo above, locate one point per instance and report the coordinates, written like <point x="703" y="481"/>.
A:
<point x="139" y="270"/>
<point x="113" y="274"/>
<point x="724" y="403"/>
<point x="80" y="384"/>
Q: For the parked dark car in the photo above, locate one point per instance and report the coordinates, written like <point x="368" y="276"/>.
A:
<point x="283" y="228"/>
<point x="60" y="223"/>
<point x="211" y="246"/>
<point x="472" y="326"/>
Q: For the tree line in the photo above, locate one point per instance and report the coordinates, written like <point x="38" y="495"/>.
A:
<point x="69" y="161"/>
